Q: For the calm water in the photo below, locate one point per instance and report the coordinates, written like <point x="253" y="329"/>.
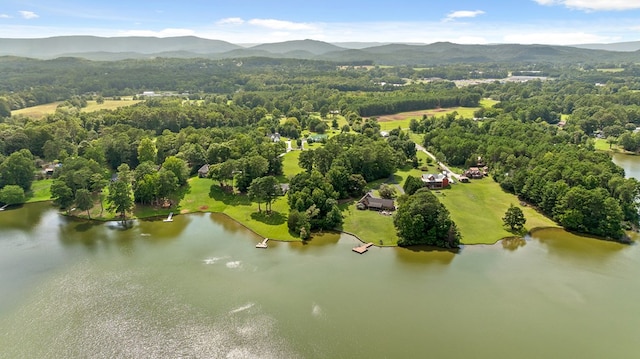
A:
<point x="198" y="288"/>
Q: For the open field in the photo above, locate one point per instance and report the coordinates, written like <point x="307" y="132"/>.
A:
<point x="50" y="108"/>
<point x="478" y="208"/>
<point x="40" y="191"/>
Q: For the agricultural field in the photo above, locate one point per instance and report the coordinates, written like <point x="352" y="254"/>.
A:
<point x="50" y="108"/>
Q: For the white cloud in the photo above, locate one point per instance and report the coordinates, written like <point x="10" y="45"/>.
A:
<point x="28" y="15"/>
<point x="4" y="16"/>
<point x="463" y="14"/>
<point x="594" y="5"/>
<point x="280" y="24"/>
<point x="160" y="33"/>
<point x="230" y="21"/>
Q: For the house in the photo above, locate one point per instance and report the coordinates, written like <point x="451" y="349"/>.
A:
<point x="368" y="201"/>
<point x="275" y="137"/>
<point x="284" y="188"/>
<point x="435" y="181"/>
<point x="203" y="171"/>
<point x="473" y="172"/>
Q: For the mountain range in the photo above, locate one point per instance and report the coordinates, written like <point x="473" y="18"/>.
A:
<point x="119" y="48"/>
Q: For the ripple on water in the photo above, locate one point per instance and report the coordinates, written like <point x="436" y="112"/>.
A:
<point x="92" y="313"/>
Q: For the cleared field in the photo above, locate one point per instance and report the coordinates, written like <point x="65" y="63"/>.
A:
<point x="478" y="208"/>
<point x="50" y="108"/>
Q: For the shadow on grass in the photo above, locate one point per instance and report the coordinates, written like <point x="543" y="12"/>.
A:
<point x="227" y="198"/>
<point x="272" y="218"/>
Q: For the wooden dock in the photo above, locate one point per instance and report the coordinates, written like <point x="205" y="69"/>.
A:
<point x="262" y="244"/>
<point x="169" y="218"/>
<point x="363" y="248"/>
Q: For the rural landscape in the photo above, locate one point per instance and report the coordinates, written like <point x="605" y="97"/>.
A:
<point x="289" y="147"/>
<point x="319" y="180"/>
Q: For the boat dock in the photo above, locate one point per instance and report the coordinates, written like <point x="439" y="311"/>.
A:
<point x="169" y="218"/>
<point x="363" y="248"/>
<point x="262" y="244"/>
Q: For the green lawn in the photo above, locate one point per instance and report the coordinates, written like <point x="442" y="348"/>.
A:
<point x="40" y="191"/>
<point x="369" y="226"/>
<point x="202" y="197"/>
<point x="601" y="144"/>
<point x="478" y="208"/>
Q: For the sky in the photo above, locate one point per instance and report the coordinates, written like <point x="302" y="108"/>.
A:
<point x="558" y="22"/>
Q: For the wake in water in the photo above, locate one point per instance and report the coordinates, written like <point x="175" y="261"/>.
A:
<point x="242" y="308"/>
<point x="213" y="260"/>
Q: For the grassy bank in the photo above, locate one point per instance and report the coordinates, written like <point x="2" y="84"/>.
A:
<point x="478" y="208"/>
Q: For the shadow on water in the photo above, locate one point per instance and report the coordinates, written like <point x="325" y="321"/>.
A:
<point x="24" y="217"/>
<point x="580" y="248"/>
<point x="425" y="255"/>
<point x="157" y="228"/>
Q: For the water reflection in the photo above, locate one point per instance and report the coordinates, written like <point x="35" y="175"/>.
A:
<point x="425" y="255"/>
<point x="25" y="217"/>
<point x="513" y="243"/>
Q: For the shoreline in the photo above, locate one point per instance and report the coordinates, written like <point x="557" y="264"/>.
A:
<point x="159" y="216"/>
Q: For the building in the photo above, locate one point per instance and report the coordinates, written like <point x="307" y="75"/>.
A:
<point x="203" y="171"/>
<point x="435" y="181"/>
<point x="474" y="172"/>
<point x="368" y="201"/>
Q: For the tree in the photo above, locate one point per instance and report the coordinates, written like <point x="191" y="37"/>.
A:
<point x="147" y="151"/>
<point x="422" y="219"/>
<point x="387" y="191"/>
<point x="306" y="160"/>
<point x="12" y="194"/>
<point x="264" y="189"/>
<point x="120" y="198"/>
<point x="18" y="169"/>
<point x="61" y="194"/>
<point x="514" y="218"/>
<point x="178" y="167"/>
<point x="412" y="184"/>
<point x="83" y="200"/>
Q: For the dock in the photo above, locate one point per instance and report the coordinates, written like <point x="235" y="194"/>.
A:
<point x="363" y="248"/>
<point x="169" y="218"/>
<point x="262" y="244"/>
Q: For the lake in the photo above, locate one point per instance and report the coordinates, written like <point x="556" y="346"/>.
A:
<point x="198" y="288"/>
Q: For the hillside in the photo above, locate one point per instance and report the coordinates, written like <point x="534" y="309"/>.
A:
<point x="119" y="48"/>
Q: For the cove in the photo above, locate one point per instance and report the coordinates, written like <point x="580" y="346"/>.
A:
<point x="197" y="287"/>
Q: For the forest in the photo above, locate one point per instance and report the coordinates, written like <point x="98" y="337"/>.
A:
<point x="537" y="140"/>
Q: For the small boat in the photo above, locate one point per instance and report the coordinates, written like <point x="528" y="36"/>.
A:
<point x="169" y="218"/>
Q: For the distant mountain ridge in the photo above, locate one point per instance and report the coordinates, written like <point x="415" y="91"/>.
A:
<point x="120" y="48"/>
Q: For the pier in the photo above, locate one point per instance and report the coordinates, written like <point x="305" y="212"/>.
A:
<point x="169" y="218"/>
<point x="363" y="248"/>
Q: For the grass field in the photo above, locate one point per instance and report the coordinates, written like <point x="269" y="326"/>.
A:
<point x="601" y="144"/>
<point x="478" y="208"/>
<point x="50" y="108"/>
<point x="40" y="191"/>
<point x="203" y="197"/>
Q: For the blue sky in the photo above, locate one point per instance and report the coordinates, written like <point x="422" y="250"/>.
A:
<point x="260" y="21"/>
